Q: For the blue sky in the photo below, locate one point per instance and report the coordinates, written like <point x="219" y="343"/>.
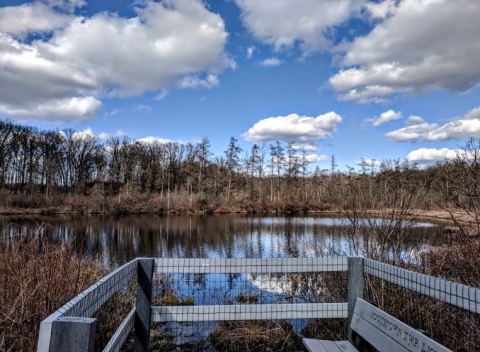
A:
<point x="355" y="58"/>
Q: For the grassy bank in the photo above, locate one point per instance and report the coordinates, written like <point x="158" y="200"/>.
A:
<point x="155" y="204"/>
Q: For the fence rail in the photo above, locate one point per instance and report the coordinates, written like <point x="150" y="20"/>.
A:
<point x="450" y="292"/>
<point x="249" y="312"/>
<point x="75" y="319"/>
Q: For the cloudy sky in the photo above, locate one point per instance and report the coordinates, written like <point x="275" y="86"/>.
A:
<point x="355" y="78"/>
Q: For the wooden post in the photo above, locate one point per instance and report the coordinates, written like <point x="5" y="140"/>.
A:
<point x="355" y="286"/>
<point x="144" y="304"/>
<point x="73" y="334"/>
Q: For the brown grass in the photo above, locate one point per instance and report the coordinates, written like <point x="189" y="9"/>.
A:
<point x="453" y="327"/>
<point x="35" y="279"/>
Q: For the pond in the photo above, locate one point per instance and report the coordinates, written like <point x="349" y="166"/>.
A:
<point x="118" y="239"/>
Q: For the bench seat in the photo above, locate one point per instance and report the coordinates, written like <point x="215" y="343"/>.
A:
<point x="328" y="346"/>
<point x="381" y="331"/>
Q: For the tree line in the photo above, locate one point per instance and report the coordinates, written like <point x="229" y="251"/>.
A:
<point x="52" y="164"/>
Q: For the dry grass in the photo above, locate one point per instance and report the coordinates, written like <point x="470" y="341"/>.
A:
<point x="453" y="327"/>
<point x="255" y="336"/>
<point x="35" y="279"/>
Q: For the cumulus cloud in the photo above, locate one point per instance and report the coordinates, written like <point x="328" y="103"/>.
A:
<point x="380" y="10"/>
<point x="316" y="158"/>
<point x="414" y="120"/>
<point x="459" y="127"/>
<point x="432" y="155"/>
<point x="157" y="140"/>
<point x="283" y="23"/>
<point x="153" y="51"/>
<point x="385" y="117"/>
<point x="294" y="128"/>
<point x="308" y="147"/>
<point x="31" y="18"/>
<point x="76" y="109"/>
<point x="271" y="62"/>
<point x="420" y="44"/>
<point x="88" y="133"/>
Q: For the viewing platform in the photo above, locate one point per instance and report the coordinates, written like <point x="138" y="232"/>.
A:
<point x="279" y="289"/>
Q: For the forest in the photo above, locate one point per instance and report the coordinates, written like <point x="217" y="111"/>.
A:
<point x="65" y="171"/>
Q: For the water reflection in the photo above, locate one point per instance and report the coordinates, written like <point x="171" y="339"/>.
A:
<point x="119" y="239"/>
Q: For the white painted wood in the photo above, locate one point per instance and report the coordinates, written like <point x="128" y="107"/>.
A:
<point x="459" y="295"/>
<point x="249" y="312"/>
<point x="121" y="334"/>
<point x="378" y="340"/>
<point x="89" y="301"/>
<point x="250" y="266"/>
<point x="385" y="332"/>
<point x="346" y="346"/>
<point x="313" y="345"/>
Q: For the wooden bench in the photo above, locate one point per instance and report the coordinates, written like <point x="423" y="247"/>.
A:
<point x="381" y="331"/>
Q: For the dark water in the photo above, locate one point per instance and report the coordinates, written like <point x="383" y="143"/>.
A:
<point x="119" y="239"/>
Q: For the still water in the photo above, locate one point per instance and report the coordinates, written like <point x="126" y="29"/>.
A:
<point x="116" y="240"/>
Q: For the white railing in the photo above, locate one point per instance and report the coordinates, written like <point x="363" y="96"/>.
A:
<point x="72" y="328"/>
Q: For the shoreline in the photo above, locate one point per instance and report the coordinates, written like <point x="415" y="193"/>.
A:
<point x="419" y="214"/>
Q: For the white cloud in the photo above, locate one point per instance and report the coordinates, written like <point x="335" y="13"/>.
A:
<point x="432" y="155"/>
<point x="193" y="82"/>
<point x="161" y="95"/>
<point x="414" y="120"/>
<point x="460" y="127"/>
<point x="112" y="112"/>
<point x="368" y="162"/>
<point x="152" y="51"/>
<point x="65" y="5"/>
<point x="294" y="128"/>
<point x="380" y="10"/>
<point x="31" y="18"/>
<point x="107" y="135"/>
<point x="421" y="44"/>
<point x="316" y="158"/>
<point x="283" y="23"/>
<point x="87" y="133"/>
<point x="308" y="147"/>
<point x="250" y="51"/>
<point x="271" y="62"/>
<point x="385" y="117"/>
<point x="157" y="140"/>
<point x="76" y="109"/>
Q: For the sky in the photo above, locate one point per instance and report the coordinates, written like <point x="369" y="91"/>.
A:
<point x="358" y="79"/>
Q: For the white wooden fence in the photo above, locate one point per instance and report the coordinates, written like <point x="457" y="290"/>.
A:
<point x="72" y="328"/>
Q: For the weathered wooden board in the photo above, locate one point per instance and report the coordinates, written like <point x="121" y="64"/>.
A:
<point x="90" y="300"/>
<point x="250" y="266"/>
<point x="118" y="338"/>
<point x="328" y="346"/>
<point x="249" y="312"/>
<point x="87" y="302"/>
<point x="459" y="295"/>
<point x="387" y="333"/>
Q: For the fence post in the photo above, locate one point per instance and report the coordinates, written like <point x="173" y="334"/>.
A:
<point x="144" y="304"/>
<point x="355" y="286"/>
<point x="73" y="334"/>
